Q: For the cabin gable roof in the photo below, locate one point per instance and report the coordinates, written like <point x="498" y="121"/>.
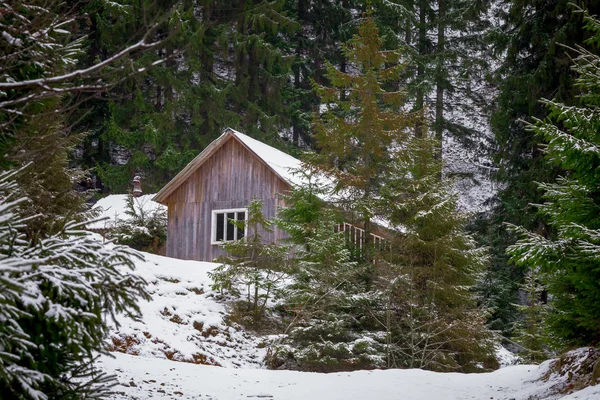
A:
<point x="280" y="163"/>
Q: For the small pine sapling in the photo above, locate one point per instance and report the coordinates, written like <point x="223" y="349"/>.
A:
<point x="252" y="264"/>
<point x="146" y="227"/>
<point x="531" y="331"/>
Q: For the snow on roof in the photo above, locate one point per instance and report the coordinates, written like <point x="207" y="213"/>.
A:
<point x="113" y="208"/>
<point x="282" y="163"/>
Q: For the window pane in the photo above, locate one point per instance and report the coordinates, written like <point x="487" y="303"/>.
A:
<point x="220" y="219"/>
<point x="230" y="226"/>
<point x="241" y="216"/>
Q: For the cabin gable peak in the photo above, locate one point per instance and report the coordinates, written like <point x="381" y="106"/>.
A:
<point x="278" y="162"/>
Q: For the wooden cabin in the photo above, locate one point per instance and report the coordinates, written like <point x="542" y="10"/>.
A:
<point x="217" y="186"/>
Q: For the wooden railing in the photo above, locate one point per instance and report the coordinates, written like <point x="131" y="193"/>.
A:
<point x="356" y="236"/>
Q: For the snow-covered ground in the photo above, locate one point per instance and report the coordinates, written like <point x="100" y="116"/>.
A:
<point x="146" y="378"/>
<point x="183" y="321"/>
<point x="174" y="350"/>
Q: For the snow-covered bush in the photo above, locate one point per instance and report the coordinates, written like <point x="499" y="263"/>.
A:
<point x="56" y="297"/>
<point x="145" y="228"/>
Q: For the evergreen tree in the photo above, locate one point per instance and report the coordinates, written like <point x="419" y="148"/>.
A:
<point x="530" y="333"/>
<point x="363" y="121"/>
<point x="432" y="316"/>
<point x="323" y="334"/>
<point x="57" y="298"/>
<point x="415" y="305"/>
<point x="536" y="66"/>
<point x="146" y="125"/>
<point x="252" y="264"/>
<point x="568" y="259"/>
<point x="144" y="229"/>
<point x="59" y="287"/>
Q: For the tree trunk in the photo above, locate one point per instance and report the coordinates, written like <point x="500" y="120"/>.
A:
<point x="439" y="99"/>
<point x="422" y="48"/>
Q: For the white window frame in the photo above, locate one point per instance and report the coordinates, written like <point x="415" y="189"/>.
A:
<point x="213" y="225"/>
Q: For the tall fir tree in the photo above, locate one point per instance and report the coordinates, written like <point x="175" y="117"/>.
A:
<point x="569" y="259"/>
<point x="536" y="65"/>
<point x="364" y="119"/>
<point x="530" y="333"/>
<point x="433" y="319"/>
<point x="382" y="172"/>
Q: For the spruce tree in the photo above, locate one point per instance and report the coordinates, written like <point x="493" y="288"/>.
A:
<point x="322" y="333"/>
<point x="433" y="319"/>
<point x="416" y="294"/>
<point x="364" y="119"/>
<point x="568" y="259"/>
<point x="317" y="40"/>
<point x="252" y="264"/>
<point x="58" y="297"/>
<point x="530" y="333"/>
<point x="536" y="66"/>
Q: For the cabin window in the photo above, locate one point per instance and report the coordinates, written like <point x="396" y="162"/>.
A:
<point x="223" y="227"/>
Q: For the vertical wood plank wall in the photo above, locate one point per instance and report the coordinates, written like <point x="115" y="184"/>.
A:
<point x="230" y="178"/>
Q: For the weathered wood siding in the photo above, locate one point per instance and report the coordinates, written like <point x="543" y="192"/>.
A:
<point x="230" y="178"/>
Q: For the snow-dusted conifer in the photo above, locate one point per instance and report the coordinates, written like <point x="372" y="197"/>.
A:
<point x="322" y="334"/>
<point x="569" y="259"/>
<point x="253" y="264"/>
<point x="144" y="229"/>
<point x="57" y="298"/>
<point x="530" y="332"/>
<point x="364" y="120"/>
<point x="430" y="271"/>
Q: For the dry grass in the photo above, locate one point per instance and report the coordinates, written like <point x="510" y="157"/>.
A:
<point x="124" y="344"/>
<point x="211" y="331"/>
<point x="177" y="319"/>
<point x="579" y="369"/>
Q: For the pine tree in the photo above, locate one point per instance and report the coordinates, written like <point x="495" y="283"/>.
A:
<point x="323" y="334"/>
<point x="415" y="302"/>
<point x="252" y="264"/>
<point x="432" y="316"/>
<point x="568" y="259"/>
<point x="57" y="299"/>
<point x="530" y="333"/>
<point x="148" y="124"/>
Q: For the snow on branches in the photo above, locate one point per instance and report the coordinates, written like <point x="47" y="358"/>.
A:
<point x="56" y="296"/>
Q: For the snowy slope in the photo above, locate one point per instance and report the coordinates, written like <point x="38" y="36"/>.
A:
<point x="182" y="348"/>
<point x="183" y="322"/>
